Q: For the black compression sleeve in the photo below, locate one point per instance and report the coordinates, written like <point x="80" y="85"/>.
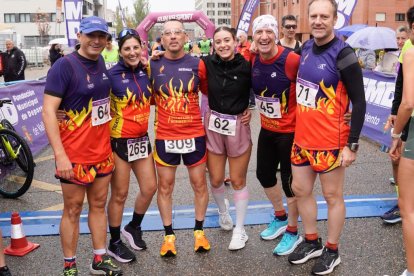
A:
<point x="398" y="91"/>
<point x="351" y="76"/>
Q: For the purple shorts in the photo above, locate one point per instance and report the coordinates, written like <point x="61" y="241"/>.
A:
<point x="231" y="146"/>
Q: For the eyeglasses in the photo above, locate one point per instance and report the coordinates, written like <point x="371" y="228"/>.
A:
<point x="173" y="31"/>
<point x="291" y="27"/>
<point x="126" y="32"/>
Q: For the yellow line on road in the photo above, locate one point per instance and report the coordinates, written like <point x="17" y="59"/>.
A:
<point x="44" y="158"/>
<point x="47" y="186"/>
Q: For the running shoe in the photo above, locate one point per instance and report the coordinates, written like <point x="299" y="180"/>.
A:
<point x="238" y="240"/>
<point x="225" y="220"/>
<point x="288" y="243"/>
<point x="168" y="246"/>
<point x="392" y="216"/>
<point x="120" y="252"/>
<point x="105" y="266"/>
<point x="70" y="270"/>
<point x="6" y="272"/>
<point x="305" y="251"/>
<point x="134" y="237"/>
<point x="201" y="243"/>
<point x="274" y="229"/>
<point x="326" y="263"/>
<point x="405" y="273"/>
<point x="392" y="181"/>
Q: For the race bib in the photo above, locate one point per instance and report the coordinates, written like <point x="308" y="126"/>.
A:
<point x="222" y="123"/>
<point x="269" y="107"/>
<point x="100" y="112"/>
<point x="180" y="146"/>
<point x="109" y="65"/>
<point x="137" y="148"/>
<point x="306" y="93"/>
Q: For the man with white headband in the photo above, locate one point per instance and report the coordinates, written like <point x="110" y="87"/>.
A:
<point x="273" y="81"/>
<point x="329" y="79"/>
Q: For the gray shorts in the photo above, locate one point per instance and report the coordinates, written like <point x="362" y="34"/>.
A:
<point x="231" y="146"/>
<point x="408" y="151"/>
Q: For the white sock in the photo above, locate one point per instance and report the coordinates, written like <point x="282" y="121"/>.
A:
<point x="99" y="251"/>
<point x="219" y="196"/>
<point x="241" y="201"/>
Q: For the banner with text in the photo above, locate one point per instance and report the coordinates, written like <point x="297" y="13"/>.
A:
<point x="345" y="10"/>
<point x="73" y="16"/>
<point x="379" y="93"/>
<point x="25" y="112"/>
<point x="246" y="15"/>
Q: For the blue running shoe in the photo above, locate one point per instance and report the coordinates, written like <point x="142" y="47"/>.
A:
<point x="392" y="216"/>
<point x="274" y="229"/>
<point x="287" y="244"/>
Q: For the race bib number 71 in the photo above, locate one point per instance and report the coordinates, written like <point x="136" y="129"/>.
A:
<point x="306" y="93"/>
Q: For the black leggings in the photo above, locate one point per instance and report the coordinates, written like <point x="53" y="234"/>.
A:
<point x="274" y="148"/>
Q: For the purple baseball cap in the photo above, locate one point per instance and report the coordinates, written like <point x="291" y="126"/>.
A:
<point x="93" y="24"/>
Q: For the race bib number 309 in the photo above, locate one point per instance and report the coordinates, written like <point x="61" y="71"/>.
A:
<point x="306" y="93"/>
<point x="137" y="148"/>
<point x="100" y="112"/>
<point x="180" y="146"/>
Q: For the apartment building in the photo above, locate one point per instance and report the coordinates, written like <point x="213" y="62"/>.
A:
<point x="390" y="13"/>
<point x="218" y="11"/>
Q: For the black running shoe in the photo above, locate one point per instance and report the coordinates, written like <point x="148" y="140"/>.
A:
<point x="105" y="266"/>
<point x="5" y="271"/>
<point x="326" y="262"/>
<point x="120" y="252"/>
<point x="305" y="251"/>
<point x="134" y="237"/>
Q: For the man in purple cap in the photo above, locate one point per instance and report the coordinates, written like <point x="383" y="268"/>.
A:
<point x="78" y="84"/>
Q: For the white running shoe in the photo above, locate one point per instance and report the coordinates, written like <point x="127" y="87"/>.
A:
<point x="238" y="240"/>
<point x="225" y="220"/>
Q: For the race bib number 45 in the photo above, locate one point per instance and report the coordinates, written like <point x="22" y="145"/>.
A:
<point x="100" y="112"/>
<point x="269" y="107"/>
<point x="306" y="93"/>
<point x="137" y="148"/>
<point x="223" y="123"/>
<point x="180" y="146"/>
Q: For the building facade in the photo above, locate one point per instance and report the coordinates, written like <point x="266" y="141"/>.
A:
<point x="390" y="13"/>
<point x="218" y="11"/>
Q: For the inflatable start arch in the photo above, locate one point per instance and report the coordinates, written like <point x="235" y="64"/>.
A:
<point x="160" y="17"/>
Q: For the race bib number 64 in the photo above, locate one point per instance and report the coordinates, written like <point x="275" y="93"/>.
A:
<point x="180" y="146"/>
<point x="100" y="112"/>
<point x="306" y="93"/>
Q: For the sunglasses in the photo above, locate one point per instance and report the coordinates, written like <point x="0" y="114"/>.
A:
<point x="291" y="27"/>
<point x="126" y="32"/>
<point x="173" y="32"/>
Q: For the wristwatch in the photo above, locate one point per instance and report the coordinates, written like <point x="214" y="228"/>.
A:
<point x="393" y="135"/>
<point x="353" y="146"/>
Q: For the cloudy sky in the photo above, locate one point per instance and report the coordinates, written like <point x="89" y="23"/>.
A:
<point x="157" y="5"/>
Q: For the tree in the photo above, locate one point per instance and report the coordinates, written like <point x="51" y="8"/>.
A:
<point x="141" y="10"/>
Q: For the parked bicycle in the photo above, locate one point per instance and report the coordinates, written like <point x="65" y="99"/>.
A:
<point x="16" y="161"/>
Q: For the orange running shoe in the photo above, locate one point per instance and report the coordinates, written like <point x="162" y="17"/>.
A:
<point x="201" y="243"/>
<point x="168" y="246"/>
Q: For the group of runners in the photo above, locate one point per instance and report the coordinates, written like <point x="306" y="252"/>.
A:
<point x="103" y="135"/>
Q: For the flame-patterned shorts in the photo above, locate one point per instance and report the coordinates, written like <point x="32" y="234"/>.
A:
<point x="86" y="174"/>
<point x="321" y="161"/>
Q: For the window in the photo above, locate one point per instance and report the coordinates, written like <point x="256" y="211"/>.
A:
<point x="210" y="13"/>
<point x="9" y="18"/>
<point x="213" y="20"/>
<point x="224" y="5"/>
<point x="210" y="5"/>
<point x="24" y="17"/>
<point x="399" y="17"/>
<point x="223" y="12"/>
<point x="380" y="17"/>
<point x="223" y="21"/>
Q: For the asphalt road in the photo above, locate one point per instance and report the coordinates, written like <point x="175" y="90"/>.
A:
<point x="367" y="246"/>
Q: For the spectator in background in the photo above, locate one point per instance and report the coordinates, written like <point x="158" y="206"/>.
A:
<point x="110" y="53"/>
<point x="205" y="46"/>
<point x="55" y="52"/>
<point x="366" y="58"/>
<point x="157" y="45"/>
<point x="188" y="47"/>
<point x="14" y="62"/>
<point x="4" y="270"/>
<point x="289" y="26"/>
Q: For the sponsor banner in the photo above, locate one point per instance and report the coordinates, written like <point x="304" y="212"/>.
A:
<point x="246" y="15"/>
<point x="345" y="10"/>
<point x="73" y="16"/>
<point x="379" y="93"/>
<point x="25" y="112"/>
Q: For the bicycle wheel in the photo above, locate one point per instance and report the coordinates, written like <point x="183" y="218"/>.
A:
<point x="16" y="173"/>
<point x="7" y="125"/>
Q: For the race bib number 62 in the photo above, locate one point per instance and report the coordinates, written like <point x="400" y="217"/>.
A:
<point x="180" y="146"/>
<point x="223" y="123"/>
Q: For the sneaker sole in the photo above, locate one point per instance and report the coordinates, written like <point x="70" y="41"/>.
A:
<point x="337" y="262"/>
<point x="130" y="240"/>
<point x="290" y="250"/>
<point x="101" y="272"/>
<point x="314" y="254"/>
<point x="169" y="254"/>
<point x="392" y="221"/>
<point x="201" y="249"/>
<point x="275" y="235"/>
<point x="238" y="248"/>
<point x="119" y="259"/>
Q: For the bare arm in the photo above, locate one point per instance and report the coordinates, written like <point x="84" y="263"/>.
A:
<point x="49" y="115"/>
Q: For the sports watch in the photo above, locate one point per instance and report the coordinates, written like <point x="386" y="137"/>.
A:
<point x="393" y="135"/>
<point x="353" y="146"/>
